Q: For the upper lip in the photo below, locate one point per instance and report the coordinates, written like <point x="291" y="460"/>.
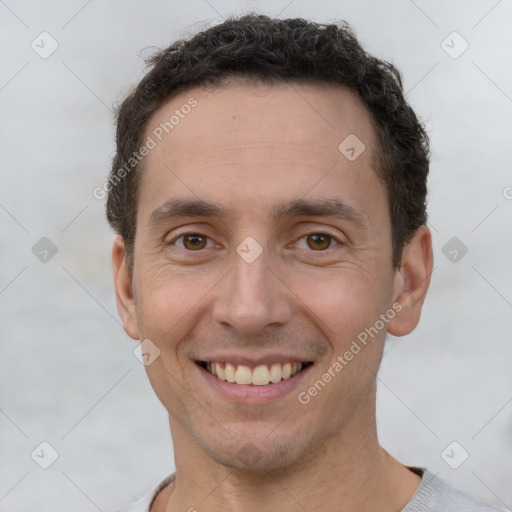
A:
<point x="239" y="359"/>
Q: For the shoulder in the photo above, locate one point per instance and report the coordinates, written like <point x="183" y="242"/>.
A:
<point x="435" y="495"/>
<point x="144" y="504"/>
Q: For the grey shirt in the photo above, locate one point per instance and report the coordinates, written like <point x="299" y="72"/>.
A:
<point x="435" y="495"/>
<point x="432" y="495"/>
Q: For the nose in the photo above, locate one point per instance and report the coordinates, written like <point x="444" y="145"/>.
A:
<point x="252" y="297"/>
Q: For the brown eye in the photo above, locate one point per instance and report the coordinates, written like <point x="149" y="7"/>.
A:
<point x="194" y="242"/>
<point x="319" y="241"/>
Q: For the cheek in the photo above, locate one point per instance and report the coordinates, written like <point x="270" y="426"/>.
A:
<point x="346" y="302"/>
<point x="168" y="308"/>
<point x="169" y="302"/>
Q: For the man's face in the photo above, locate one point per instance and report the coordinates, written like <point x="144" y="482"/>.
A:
<point x="254" y="288"/>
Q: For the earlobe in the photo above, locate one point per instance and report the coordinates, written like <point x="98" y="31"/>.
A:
<point x="124" y="289"/>
<point x="412" y="280"/>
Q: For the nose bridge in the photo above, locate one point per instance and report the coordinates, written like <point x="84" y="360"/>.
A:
<point x="252" y="296"/>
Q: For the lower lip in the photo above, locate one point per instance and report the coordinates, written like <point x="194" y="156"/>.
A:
<point x="251" y="394"/>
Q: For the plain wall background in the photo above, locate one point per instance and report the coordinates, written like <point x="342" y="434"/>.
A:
<point x="69" y="376"/>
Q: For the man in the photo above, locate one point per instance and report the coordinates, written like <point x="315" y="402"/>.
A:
<point x="269" y="195"/>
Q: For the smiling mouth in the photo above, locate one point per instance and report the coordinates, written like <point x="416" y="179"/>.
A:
<point x="260" y="375"/>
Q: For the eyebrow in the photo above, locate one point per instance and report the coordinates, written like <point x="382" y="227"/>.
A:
<point x="181" y="208"/>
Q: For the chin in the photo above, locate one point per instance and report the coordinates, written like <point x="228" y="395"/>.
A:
<point x="257" y="451"/>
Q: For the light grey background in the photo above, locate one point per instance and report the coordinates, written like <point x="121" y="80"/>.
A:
<point x="69" y="376"/>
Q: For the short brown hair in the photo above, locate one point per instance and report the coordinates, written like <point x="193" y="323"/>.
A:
<point x="273" y="50"/>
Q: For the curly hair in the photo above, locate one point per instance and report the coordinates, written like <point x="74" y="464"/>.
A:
<point x="259" y="48"/>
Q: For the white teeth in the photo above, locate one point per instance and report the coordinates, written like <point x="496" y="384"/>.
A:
<point x="219" y="371"/>
<point x="275" y="372"/>
<point x="258" y="376"/>
<point x="243" y="375"/>
<point x="230" y="372"/>
<point x="286" y="372"/>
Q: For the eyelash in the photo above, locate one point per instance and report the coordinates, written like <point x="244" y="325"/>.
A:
<point x="183" y="235"/>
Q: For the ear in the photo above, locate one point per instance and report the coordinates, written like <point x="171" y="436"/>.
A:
<point x="412" y="280"/>
<point x="124" y="289"/>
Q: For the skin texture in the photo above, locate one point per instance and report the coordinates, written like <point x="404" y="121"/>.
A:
<point x="250" y="147"/>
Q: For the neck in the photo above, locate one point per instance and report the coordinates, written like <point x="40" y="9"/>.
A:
<point x="349" y="471"/>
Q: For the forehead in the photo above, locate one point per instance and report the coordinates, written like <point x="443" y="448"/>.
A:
<point x="251" y="113"/>
<point x="247" y="142"/>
